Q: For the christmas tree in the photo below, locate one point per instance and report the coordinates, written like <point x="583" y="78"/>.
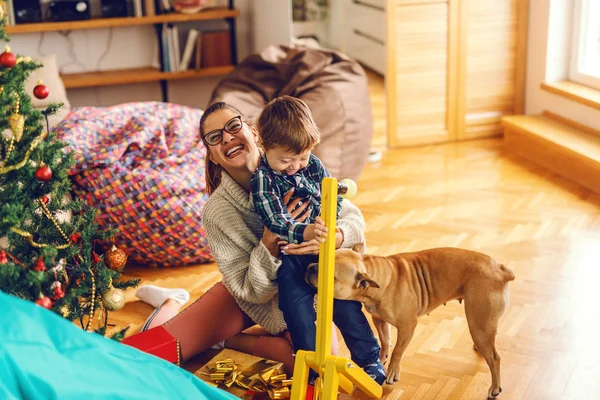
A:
<point x="46" y="257"/>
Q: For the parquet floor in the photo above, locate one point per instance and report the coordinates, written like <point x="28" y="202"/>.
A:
<point x="473" y="195"/>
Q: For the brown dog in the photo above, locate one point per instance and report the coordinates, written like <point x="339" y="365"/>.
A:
<point x="398" y="289"/>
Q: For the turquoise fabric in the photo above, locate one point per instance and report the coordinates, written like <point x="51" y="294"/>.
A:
<point x="43" y="356"/>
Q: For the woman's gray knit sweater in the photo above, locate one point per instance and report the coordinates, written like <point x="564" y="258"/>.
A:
<point x="234" y="231"/>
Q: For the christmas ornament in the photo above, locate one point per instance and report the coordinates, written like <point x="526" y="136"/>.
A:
<point x="41" y="91"/>
<point x="75" y="237"/>
<point x="113" y="299"/>
<point x="8" y="59"/>
<point x="16" y="122"/>
<point x="45" y="199"/>
<point x="43" y="173"/>
<point x="57" y="290"/>
<point x="3" y="258"/>
<point x="40" y="267"/>
<point x="115" y="258"/>
<point x="95" y="257"/>
<point x="44" y="301"/>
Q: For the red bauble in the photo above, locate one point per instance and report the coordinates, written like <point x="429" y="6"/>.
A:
<point x="45" y="199"/>
<point x="8" y="59"/>
<point x="41" y="91"/>
<point x="58" y="292"/>
<point x="44" y="302"/>
<point x="3" y="258"/>
<point x="43" y="173"/>
<point x="40" y="267"/>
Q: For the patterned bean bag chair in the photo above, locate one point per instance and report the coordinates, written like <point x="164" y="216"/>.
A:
<point x="333" y="85"/>
<point x="142" y="166"/>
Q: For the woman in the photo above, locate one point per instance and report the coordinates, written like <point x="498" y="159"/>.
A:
<point x="245" y="251"/>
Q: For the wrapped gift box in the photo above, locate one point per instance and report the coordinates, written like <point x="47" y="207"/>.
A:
<point x="158" y="342"/>
<point x="256" y="373"/>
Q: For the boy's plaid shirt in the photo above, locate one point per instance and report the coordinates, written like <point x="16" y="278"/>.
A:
<point x="269" y="187"/>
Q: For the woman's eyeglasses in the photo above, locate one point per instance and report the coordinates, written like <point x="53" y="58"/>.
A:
<point x="233" y="126"/>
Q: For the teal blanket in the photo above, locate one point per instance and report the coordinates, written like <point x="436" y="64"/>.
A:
<point x="43" y="356"/>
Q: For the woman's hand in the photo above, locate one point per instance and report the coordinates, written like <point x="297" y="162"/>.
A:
<point x="304" y="248"/>
<point x="273" y="242"/>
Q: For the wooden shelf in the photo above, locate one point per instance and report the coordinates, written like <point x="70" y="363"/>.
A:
<point x="98" y="23"/>
<point x="136" y="75"/>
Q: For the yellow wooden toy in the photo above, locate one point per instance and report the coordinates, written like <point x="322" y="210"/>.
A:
<point x="335" y="372"/>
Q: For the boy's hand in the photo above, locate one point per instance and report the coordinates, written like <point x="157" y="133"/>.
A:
<point x="311" y="246"/>
<point x="316" y="231"/>
<point x="320" y="230"/>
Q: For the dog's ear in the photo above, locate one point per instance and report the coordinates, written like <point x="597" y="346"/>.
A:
<point x="364" y="281"/>
<point x="358" y="247"/>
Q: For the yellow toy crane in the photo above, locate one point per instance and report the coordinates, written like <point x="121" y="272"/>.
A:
<point x="334" y="372"/>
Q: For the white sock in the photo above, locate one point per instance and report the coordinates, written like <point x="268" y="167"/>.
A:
<point x="156" y="296"/>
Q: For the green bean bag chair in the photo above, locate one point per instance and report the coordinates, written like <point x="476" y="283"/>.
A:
<point x="43" y="356"/>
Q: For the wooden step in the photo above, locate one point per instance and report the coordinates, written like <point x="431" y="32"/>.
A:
<point x="560" y="147"/>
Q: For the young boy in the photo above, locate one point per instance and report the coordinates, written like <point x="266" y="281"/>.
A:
<point x="288" y="134"/>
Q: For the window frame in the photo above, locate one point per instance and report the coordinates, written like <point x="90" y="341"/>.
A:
<point x="578" y="46"/>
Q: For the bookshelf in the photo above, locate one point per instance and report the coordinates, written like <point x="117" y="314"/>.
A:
<point x="138" y="75"/>
<point x="99" y="23"/>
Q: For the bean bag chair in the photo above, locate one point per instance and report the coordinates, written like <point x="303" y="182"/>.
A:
<point x="45" y="357"/>
<point x="141" y="165"/>
<point x="334" y="87"/>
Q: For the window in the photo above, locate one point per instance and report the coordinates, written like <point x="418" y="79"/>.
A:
<point x="585" y="50"/>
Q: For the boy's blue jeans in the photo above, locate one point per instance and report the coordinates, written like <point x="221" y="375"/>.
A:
<point x="296" y="301"/>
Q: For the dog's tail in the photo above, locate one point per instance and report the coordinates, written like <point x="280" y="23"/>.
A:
<point x="507" y="272"/>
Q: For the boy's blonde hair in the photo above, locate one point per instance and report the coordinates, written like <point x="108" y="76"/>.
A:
<point x="287" y="122"/>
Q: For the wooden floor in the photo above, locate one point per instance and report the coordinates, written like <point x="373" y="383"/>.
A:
<point x="473" y="195"/>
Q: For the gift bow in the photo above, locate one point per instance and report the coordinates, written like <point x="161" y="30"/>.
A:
<point x="263" y="377"/>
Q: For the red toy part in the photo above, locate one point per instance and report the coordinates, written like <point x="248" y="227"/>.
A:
<point x="158" y="342"/>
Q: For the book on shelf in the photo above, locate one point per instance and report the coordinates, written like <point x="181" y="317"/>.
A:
<point x="199" y="52"/>
<point x="137" y="8"/>
<point x="164" y="6"/>
<point x="165" y="48"/>
<point x="188" y="51"/>
<point x="216" y="49"/>
<point x="149" y="8"/>
<point x="173" y="48"/>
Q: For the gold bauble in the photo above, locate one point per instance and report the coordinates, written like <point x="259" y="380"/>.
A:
<point x="113" y="299"/>
<point x="16" y="123"/>
<point x="115" y="258"/>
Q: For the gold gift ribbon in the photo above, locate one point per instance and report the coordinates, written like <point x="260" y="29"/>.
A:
<point x="263" y="377"/>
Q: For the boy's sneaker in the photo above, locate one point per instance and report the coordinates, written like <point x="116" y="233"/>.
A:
<point x="376" y="372"/>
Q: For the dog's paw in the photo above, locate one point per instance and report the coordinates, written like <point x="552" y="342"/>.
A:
<point x="393" y="373"/>
<point x="493" y="394"/>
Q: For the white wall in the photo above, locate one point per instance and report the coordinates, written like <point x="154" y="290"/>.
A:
<point x="548" y="51"/>
<point x="272" y="23"/>
<point x="131" y="47"/>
